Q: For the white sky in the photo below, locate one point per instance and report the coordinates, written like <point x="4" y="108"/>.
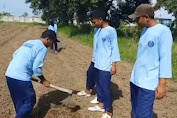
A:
<point x="15" y="7"/>
<point x="162" y="13"/>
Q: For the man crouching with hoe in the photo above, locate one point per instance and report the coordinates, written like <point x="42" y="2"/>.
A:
<point x="27" y="61"/>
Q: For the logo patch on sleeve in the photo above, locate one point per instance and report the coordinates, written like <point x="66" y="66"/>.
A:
<point x="150" y="43"/>
<point x="104" y="39"/>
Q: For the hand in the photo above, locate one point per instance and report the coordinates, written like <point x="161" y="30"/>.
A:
<point x="46" y="83"/>
<point x="113" y="70"/>
<point x="161" y="89"/>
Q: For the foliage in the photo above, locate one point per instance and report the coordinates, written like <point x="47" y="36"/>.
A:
<point x="72" y="30"/>
<point x="126" y="30"/>
<point x="174" y="60"/>
<point x="66" y="10"/>
<point x="4" y="14"/>
<point x="171" y="6"/>
<point x="25" y="14"/>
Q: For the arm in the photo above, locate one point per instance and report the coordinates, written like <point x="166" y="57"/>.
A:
<point x="37" y="66"/>
<point x="161" y="89"/>
<point x="115" y="57"/>
<point x="165" y="50"/>
<point x="113" y="69"/>
<point x="44" y="81"/>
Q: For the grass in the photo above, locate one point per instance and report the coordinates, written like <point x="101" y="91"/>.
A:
<point x="128" y="49"/>
<point x="85" y="39"/>
<point x="128" y="46"/>
<point x="174" y="60"/>
<point x="1" y="23"/>
<point x="21" y="23"/>
<point x="74" y="32"/>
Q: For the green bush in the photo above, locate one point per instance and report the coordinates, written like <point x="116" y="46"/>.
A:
<point x="174" y="29"/>
<point x="85" y="29"/>
<point x="76" y="30"/>
<point x="129" y="31"/>
<point x="174" y="60"/>
<point x="174" y="33"/>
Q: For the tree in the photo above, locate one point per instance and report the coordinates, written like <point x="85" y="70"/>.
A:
<point x="171" y="7"/>
<point x="65" y="10"/>
<point x="5" y="14"/>
<point x="25" y="14"/>
<point x="124" y="8"/>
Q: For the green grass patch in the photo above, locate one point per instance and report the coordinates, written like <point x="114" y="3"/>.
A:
<point x="68" y="30"/>
<point x="128" y="49"/>
<point x="1" y="23"/>
<point x="71" y="31"/>
<point x="174" y="60"/>
<point x="22" y="24"/>
<point x="85" y="39"/>
<point x="81" y="34"/>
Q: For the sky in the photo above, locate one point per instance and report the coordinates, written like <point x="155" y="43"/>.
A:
<point x="15" y="7"/>
<point x="18" y="7"/>
<point x="162" y="13"/>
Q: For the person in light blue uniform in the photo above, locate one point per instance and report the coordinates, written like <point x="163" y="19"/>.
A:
<point x="153" y="64"/>
<point x="52" y="26"/>
<point x="28" y="60"/>
<point x="55" y="25"/>
<point x="103" y="65"/>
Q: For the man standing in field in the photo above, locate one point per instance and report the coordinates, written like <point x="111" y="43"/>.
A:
<point x="153" y="64"/>
<point x="56" y="26"/>
<point x="27" y="61"/>
<point x="103" y="65"/>
<point x="52" y="26"/>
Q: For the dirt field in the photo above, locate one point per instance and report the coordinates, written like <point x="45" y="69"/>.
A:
<point x="68" y="70"/>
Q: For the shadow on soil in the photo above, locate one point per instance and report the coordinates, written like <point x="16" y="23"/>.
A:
<point x="116" y="92"/>
<point x="54" y="98"/>
<point x="46" y="101"/>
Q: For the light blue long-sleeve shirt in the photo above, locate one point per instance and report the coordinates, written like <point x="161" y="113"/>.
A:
<point x="53" y="28"/>
<point x="153" y="58"/>
<point x="50" y="27"/>
<point x="56" y="28"/>
<point x="27" y="61"/>
<point x="105" y="48"/>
